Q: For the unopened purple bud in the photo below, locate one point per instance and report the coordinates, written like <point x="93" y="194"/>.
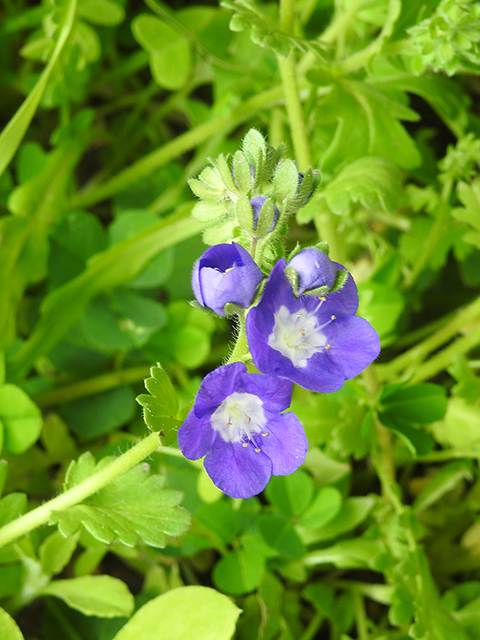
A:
<point x="226" y="273"/>
<point x="314" y="269"/>
<point x="257" y="204"/>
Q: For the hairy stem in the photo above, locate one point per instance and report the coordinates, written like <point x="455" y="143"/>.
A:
<point x="80" y="492"/>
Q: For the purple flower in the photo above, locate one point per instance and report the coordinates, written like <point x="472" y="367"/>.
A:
<point x="314" y="269"/>
<point x="257" y="204"/>
<point x="225" y="273"/>
<point x="316" y="342"/>
<point x="236" y="422"/>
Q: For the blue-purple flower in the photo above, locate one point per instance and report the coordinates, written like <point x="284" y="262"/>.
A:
<point x="316" y="342"/>
<point x="238" y="424"/>
<point x="225" y="273"/>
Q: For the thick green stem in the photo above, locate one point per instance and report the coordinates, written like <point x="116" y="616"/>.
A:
<point x="90" y="387"/>
<point x="442" y="360"/>
<point x="77" y="494"/>
<point x="417" y="354"/>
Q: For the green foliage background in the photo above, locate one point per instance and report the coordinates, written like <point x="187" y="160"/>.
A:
<point x="109" y="107"/>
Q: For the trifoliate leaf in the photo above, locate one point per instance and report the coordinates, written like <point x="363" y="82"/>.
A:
<point x="160" y="408"/>
<point x="133" y="507"/>
<point x="373" y="182"/>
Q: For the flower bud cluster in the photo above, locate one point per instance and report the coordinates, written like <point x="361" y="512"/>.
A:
<point x="250" y="195"/>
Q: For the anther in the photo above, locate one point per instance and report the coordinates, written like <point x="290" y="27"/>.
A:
<point x="245" y="444"/>
<point x="333" y="317"/>
<point x="322" y="298"/>
<point x="229" y="424"/>
<point x="257" y="450"/>
<point x="265" y="434"/>
<point x="328" y="346"/>
<point x="249" y="419"/>
<point x="299" y="313"/>
<point x="229" y="269"/>
<point x="302" y="332"/>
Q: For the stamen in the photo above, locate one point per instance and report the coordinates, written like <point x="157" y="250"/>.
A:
<point x="265" y="434"/>
<point x="322" y="298"/>
<point x="302" y="332"/>
<point x="333" y="317"/>
<point x="229" y="269"/>
<point x="299" y="313"/>
<point x="257" y="450"/>
<point x="249" y="419"/>
<point x="328" y="346"/>
<point x="229" y="424"/>
<point x="245" y="444"/>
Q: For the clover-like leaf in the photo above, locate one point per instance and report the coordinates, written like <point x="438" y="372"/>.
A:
<point x="133" y="507"/>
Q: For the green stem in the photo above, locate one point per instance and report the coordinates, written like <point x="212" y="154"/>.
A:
<point x="442" y="360"/>
<point x="294" y="111"/>
<point x="90" y="387"/>
<point x="311" y="630"/>
<point x="360" y="615"/>
<point x="80" y="492"/>
<point x="240" y="351"/>
<point x="434" y="236"/>
<point x="176" y="147"/>
<point x="415" y="355"/>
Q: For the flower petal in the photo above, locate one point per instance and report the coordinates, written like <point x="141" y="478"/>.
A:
<point x="354" y="345"/>
<point x="286" y="444"/>
<point x="275" y="393"/>
<point x="343" y="302"/>
<point x="238" y="471"/>
<point x="216" y="386"/>
<point x="196" y="436"/>
<point x="314" y="269"/>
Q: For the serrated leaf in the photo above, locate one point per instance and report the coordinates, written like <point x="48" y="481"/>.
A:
<point x="101" y="596"/>
<point x="160" y="408"/>
<point x="133" y="507"/>
<point x="372" y="182"/>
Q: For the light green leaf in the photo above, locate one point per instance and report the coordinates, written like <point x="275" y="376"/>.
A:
<point x="13" y="133"/>
<point x="55" y="552"/>
<point x="101" y="12"/>
<point x="352" y="513"/>
<point x="381" y="305"/>
<point x="8" y="627"/>
<point x="419" y="403"/>
<point x="324" y="508"/>
<point x="239" y="571"/>
<point x="290" y="494"/>
<point x="12" y="506"/>
<point x="164" y="44"/>
<point x="134" y="506"/>
<point x="373" y="182"/>
<point x="101" y="596"/>
<point x="160" y="407"/>
<point x="211" y="616"/>
<point x="443" y="482"/>
<point x="21" y="418"/>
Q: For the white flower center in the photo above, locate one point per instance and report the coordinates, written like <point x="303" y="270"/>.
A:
<point x="297" y="335"/>
<point x="238" y="417"/>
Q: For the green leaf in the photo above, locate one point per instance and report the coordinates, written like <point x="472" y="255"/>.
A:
<point x="324" y="508"/>
<point x="134" y="506"/>
<point x="381" y="305"/>
<point x="459" y="429"/>
<point x="160" y="408"/>
<point x="417" y="440"/>
<point x="211" y="616"/>
<point x="55" y="552"/>
<point x="366" y="123"/>
<point x="99" y="414"/>
<point x="101" y="596"/>
<point x="11" y="507"/>
<point x="221" y="519"/>
<point x="419" y="403"/>
<point x="443" y="482"/>
<point x="12" y="135"/>
<point x="279" y="534"/>
<point x="164" y="44"/>
<point x="290" y="494"/>
<point x="469" y="196"/>
<point x="239" y="571"/>
<point x="373" y="182"/>
<point x="62" y="308"/>
<point x="352" y="513"/>
<point x="8" y="627"/>
<point x="21" y="418"/>
<point x="101" y="12"/>
<point x="359" y="553"/>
